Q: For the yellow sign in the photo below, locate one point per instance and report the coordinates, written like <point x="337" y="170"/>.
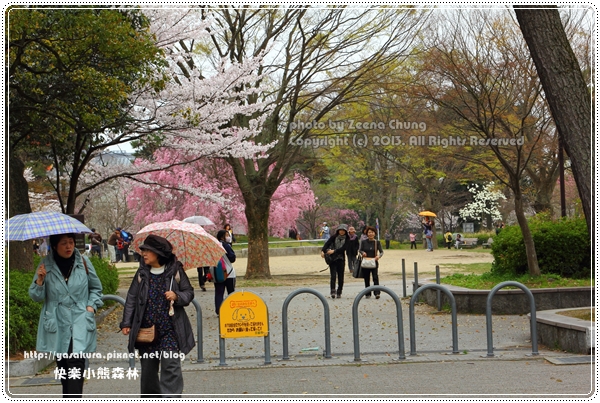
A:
<point x="243" y="314"/>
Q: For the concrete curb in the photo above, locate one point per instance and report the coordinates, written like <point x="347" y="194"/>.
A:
<point x="570" y="334"/>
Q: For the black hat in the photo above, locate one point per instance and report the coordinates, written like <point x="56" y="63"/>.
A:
<point x="158" y="245"/>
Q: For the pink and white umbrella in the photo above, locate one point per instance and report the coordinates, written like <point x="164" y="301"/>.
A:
<point x="193" y="246"/>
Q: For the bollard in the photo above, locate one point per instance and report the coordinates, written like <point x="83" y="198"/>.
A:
<point x="403" y="279"/>
<point x="416" y="282"/>
<point x="439" y="293"/>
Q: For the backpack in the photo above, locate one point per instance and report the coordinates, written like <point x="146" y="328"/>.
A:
<point x="126" y="236"/>
<point x="221" y="271"/>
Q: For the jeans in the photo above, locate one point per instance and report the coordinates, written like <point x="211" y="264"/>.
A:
<point x="220" y="292"/>
<point x="118" y="255"/>
<point x="336" y="269"/>
<point x="368" y="274"/>
<point x="429" y="244"/>
<point x="97" y="250"/>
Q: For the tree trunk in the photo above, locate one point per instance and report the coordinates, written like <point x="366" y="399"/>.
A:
<point x="565" y="88"/>
<point x="257" y="214"/>
<point x="20" y="254"/>
<point x="532" y="261"/>
<point x="543" y="199"/>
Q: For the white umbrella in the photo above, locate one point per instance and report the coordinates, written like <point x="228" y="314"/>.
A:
<point x="199" y="219"/>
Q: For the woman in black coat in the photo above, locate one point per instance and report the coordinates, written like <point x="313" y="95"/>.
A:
<point x="370" y="248"/>
<point x="157" y="296"/>
<point x="352" y="250"/>
<point x="335" y="248"/>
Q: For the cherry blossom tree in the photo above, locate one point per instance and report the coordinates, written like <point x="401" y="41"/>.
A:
<point x="207" y="187"/>
<point x="177" y="103"/>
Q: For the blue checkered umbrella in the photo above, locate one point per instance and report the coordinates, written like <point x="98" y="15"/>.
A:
<point x="41" y="224"/>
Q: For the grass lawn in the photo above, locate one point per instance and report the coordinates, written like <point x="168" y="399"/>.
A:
<point x="584" y="314"/>
<point x="480" y="278"/>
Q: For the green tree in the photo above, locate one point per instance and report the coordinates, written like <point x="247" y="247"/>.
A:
<point x="478" y="73"/>
<point x="72" y="72"/>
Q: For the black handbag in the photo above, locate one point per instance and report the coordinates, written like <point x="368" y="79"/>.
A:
<point x="328" y="258"/>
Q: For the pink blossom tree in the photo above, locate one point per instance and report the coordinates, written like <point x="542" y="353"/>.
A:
<point x="207" y="187"/>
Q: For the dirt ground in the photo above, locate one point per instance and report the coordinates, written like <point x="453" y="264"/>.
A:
<point x="303" y="269"/>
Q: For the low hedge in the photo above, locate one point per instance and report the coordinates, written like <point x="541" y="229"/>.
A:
<point x="23" y="313"/>
<point x="20" y="330"/>
<point x="562" y="246"/>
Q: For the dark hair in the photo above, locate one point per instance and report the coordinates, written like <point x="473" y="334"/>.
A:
<point x="225" y="226"/>
<point x="370" y="228"/>
<point x="163" y="260"/>
<point x="55" y="239"/>
<point x="221" y="235"/>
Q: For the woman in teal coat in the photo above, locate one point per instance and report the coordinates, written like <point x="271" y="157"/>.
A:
<point x="67" y="284"/>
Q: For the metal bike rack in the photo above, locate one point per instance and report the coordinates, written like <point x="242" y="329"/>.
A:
<point x="121" y="301"/>
<point x="488" y="316"/>
<point x="355" y="319"/>
<point x="413" y="349"/>
<point x="199" y="330"/>
<point x="284" y="320"/>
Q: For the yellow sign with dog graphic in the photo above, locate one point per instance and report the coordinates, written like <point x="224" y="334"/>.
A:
<point x="243" y="314"/>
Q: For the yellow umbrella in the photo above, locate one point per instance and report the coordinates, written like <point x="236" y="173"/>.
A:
<point x="427" y="214"/>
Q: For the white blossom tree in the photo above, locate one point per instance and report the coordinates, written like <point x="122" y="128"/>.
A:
<point x="485" y="203"/>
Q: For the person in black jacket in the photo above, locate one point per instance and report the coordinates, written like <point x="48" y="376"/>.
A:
<point x="369" y="249"/>
<point x="352" y="250"/>
<point x="157" y="296"/>
<point x="335" y="248"/>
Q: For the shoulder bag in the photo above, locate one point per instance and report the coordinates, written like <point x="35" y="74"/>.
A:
<point x="146" y="335"/>
<point x="370" y="262"/>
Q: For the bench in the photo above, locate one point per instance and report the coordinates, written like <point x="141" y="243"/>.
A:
<point x="468" y="243"/>
<point x="487" y="244"/>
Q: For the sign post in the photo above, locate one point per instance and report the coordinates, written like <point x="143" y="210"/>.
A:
<point x="243" y="314"/>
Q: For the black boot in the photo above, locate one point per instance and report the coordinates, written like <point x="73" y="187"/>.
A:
<point x="332" y="293"/>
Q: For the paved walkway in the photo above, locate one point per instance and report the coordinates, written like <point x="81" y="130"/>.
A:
<point x="433" y="371"/>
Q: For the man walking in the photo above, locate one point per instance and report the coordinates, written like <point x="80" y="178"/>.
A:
<point x="96" y="241"/>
